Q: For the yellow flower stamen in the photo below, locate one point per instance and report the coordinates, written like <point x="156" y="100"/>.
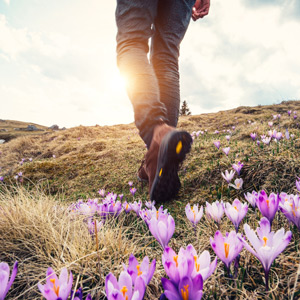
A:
<point x="124" y="290"/>
<point x="138" y="269"/>
<point x="193" y="210"/>
<point x="197" y="266"/>
<point x="265" y="241"/>
<point x="55" y="288"/>
<point x="268" y="202"/>
<point x="157" y="214"/>
<point x="176" y="260"/>
<point x="235" y="208"/>
<point x="226" y="248"/>
<point x="127" y="206"/>
<point x="185" y="292"/>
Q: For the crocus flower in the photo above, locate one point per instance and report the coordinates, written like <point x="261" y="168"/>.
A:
<point x="238" y="167"/>
<point x="136" y="206"/>
<point x="101" y="192"/>
<point x="56" y="287"/>
<point x="298" y="184"/>
<point x="194" y="214"/>
<point x="126" y="207"/>
<point x="217" y="144"/>
<point x="121" y="197"/>
<point x="270" y="124"/>
<point x="130" y="183"/>
<point x="5" y="281"/>
<point x="123" y="289"/>
<point x="227" y="137"/>
<point x="202" y="264"/>
<point x="227" y="248"/>
<point x="215" y="211"/>
<point x="185" y="282"/>
<point x="267" y="245"/>
<point x="226" y="150"/>
<point x="266" y="140"/>
<point x="268" y="205"/>
<point x="291" y="209"/>
<point x="162" y="228"/>
<point x="132" y="191"/>
<point x="252" y="198"/>
<point x="289" y="112"/>
<point x="253" y="136"/>
<point x="150" y="204"/>
<point x="91" y="225"/>
<point x="278" y="136"/>
<point x="78" y="295"/>
<point x="228" y="175"/>
<point x="143" y="270"/>
<point x="287" y="135"/>
<point x="238" y="183"/>
<point x="186" y="289"/>
<point x="236" y="212"/>
<point x="1" y="178"/>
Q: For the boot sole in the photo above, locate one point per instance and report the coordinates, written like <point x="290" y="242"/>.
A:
<point x="172" y="151"/>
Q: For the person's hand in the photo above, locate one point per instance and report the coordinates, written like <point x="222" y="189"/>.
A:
<point x="200" y="9"/>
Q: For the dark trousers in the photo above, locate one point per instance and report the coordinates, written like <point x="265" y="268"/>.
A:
<point x="152" y="84"/>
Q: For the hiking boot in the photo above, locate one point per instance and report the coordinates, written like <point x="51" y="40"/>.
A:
<point x="142" y="174"/>
<point x="168" y="148"/>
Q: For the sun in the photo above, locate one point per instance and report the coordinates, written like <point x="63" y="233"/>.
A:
<point x="117" y="81"/>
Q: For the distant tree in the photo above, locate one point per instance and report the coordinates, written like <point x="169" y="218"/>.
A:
<point x="184" y="110"/>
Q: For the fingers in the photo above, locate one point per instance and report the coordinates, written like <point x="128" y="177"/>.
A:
<point x="196" y="14"/>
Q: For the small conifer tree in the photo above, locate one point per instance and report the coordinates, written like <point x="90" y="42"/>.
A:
<point x="184" y="110"/>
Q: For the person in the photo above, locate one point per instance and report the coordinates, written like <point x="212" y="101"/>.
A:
<point x="153" y="82"/>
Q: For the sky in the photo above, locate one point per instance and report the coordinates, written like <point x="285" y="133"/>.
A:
<point x="58" y="60"/>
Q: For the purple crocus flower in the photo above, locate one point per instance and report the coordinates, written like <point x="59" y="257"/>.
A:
<point x="185" y="282"/>
<point x="267" y="245"/>
<point x="136" y="206"/>
<point x="162" y="228"/>
<point x="130" y="183"/>
<point x="78" y="295"/>
<point x="143" y="270"/>
<point x="298" y="184"/>
<point x="202" y="263"/>
<point x="226" y="150"/>
<point x="56" y="287"/>
<point x="238" y="167"/>
<point x="126" y="207"/>
<point x="217" y="144"/>
<point x="253" y="136"/>
<point x="227" y="137"/>
<point x="123" y="289"/>
<point x="227" y="248"/>
<point x="289" y="112"/>
<point x="291" y="209"/>
<point x="236" y="212"/>
<point x="215" y="211"/>
<point x="5" y="281"/>
<point x="186" y="289"/>
<point x="121" y="197"/>
<point x="270" y="124"/>
<point x="132" y="191"/>
<point x="252" y="198"/>
<point x="150" y="204"/>
<point x="238" y="184"/>
<point x="228" y="175"/>
<point x="91" y="225"/>
<point x="268" y="205"/>
<point x="266" y="140"/>
<point x="1" y="178"/>
<point x="194" y="214"/>
<point x="101" y="192"/>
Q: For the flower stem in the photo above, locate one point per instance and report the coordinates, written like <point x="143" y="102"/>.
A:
<point x="267" y="280"/>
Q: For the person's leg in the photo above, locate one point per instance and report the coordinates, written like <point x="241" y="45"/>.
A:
<point x="134" y="20"/>
<point x="171" y="23"/>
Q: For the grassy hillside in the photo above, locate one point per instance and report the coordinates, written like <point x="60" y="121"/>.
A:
<point x="73" y="164"/>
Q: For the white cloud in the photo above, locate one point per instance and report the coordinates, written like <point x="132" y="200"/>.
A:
<point x="58" y="61"/>
<point x="7" y="1"/>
